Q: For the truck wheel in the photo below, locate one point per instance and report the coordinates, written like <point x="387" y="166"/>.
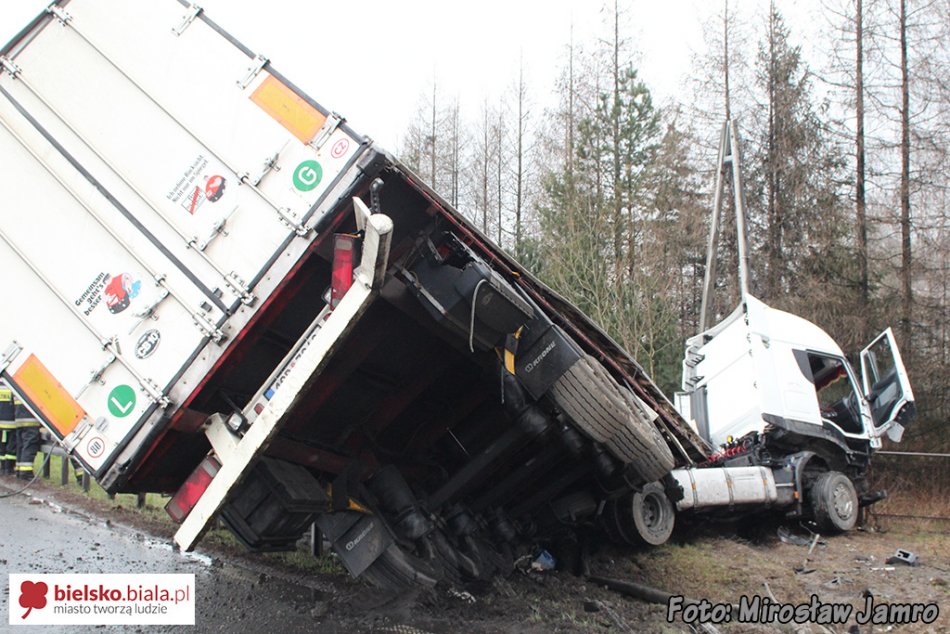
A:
<point x="641" y="517"/>
<point x="608" y="414"/>
<point x="834" y="502"/>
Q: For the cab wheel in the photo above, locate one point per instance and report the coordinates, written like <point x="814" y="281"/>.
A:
<point x="834" y="502"/>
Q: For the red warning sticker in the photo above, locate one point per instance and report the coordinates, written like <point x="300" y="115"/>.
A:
<point x="339" y="148"/>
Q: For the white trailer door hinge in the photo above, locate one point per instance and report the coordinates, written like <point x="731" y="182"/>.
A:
<point x="269" y="164"/>
<point x="208" y="329"/>
<point x="96" y="374"/>
<point x="10" y="66"/>
<point x="216" y="230"/>
<point x="60" y="14"/>
<point x="259" y="63"/>
<point x="72" y="440"/>
<point x="155" y="393"/>
<point x="237" y="283"/>
<point x="286" y="218"/>
<point x="329" y="127"/>
<point x="149" y="310"/>
<point x="9" y="355"/>
<point x="299" y="229"/>
<point x="188" y="19"/>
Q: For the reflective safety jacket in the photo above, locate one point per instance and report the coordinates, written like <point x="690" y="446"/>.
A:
<point x="22" y="414"/>
<point x="6" y="406"/>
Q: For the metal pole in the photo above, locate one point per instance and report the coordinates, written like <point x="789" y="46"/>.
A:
<point x="709" y="279"/>
<point x="741" y="237"/>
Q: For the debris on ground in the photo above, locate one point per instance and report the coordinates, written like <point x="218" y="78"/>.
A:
<point x="837" y="581"/>
<point x="903" y="557"/>
<point x="788" y="535"/>
<point x="462" y="595"/>
<point x="543" y="562"/>
<point x="804" y="569"/>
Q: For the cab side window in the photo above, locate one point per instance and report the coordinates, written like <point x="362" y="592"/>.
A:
<point x="837" y="397"/>
<point x="885" y="383"/>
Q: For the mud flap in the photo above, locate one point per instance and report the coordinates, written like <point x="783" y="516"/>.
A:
<point x="543" y="358"/>
<point x="357" y="538"/>
<point x="274" y="506"/>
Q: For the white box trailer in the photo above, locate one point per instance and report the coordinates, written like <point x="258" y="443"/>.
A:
<point x="149" y="209"/>
<point x="221" y="289"/>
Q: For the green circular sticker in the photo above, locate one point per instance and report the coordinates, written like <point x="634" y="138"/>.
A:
<point x="307" y="175"/>
<point x="121" y="401"/>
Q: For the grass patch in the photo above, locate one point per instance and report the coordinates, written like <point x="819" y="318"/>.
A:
<point x="154" y="502"/>
<point x="916" y="486"/>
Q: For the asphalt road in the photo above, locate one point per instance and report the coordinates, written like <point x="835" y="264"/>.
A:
<point x="37" y="536"/>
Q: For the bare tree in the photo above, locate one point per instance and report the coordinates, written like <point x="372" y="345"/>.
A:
<point x="860" y="194"/>
<point x="521" y="145"/>
<point x="906" y="261"/>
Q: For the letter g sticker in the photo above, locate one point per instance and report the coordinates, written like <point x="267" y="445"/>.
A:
<point x="307" y="175"/>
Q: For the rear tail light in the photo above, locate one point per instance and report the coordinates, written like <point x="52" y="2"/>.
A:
<point x="344" y="245"/>
<point x="191" y="491"/>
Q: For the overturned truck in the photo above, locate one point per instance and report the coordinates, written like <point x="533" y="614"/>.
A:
<point x="228" y="295"/>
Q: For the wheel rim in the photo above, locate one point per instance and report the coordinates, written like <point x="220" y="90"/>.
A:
<point x="843" y="503"/>
<point x="651" y="512"/>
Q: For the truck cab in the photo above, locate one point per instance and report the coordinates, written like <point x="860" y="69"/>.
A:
<point x="791" y="423"/>
<point x="764" y="368"/>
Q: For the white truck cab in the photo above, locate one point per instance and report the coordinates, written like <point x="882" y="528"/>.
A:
<point x="762" y="366"/>
<point x="791" y="424"/>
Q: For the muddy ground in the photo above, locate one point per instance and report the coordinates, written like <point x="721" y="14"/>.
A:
<point x="54" y="530"/>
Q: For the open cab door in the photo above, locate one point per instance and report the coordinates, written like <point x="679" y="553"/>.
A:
<point x="886" y="386"/>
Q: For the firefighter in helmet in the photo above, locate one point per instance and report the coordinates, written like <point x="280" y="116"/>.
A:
<point x="7" y="430"/>
<point x="27" y="439"/>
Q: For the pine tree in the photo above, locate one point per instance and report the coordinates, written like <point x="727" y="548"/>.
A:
<point x="797" y="215"/>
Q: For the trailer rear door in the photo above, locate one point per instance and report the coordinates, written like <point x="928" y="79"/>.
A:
<point x="154" y="172"/>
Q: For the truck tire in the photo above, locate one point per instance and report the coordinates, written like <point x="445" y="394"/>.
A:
<point x="834" y="502"/>
<point x="610" y="415"/>
<point x="641" y="517"/>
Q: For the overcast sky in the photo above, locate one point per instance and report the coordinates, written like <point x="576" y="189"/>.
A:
<point x="371" y="61"/>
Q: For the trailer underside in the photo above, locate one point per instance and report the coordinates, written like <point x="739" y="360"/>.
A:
<point x="416" y="421"/>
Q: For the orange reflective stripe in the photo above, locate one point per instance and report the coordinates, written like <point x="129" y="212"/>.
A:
<point x="58" y="407"/>
<point x="289" y="109"/>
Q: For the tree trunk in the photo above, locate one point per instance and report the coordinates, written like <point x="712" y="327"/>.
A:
<point x="484" y="174"/>
<point x="725" y="56"/>
<point x="456" y="152"/>
<point x="432" y="140"/>
<point x="519" y="176"/>
<point x="775" y="241"/>
<point x="570" y="111"/>
<point x="498" y="165"/>
<point x="905" y="272"/>
<point x="615" y="150"/>
<point x="861" y="228"/>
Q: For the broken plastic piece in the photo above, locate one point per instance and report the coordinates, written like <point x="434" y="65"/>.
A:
<point x="786" y="535"/>
<point x="903" y="557"/>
